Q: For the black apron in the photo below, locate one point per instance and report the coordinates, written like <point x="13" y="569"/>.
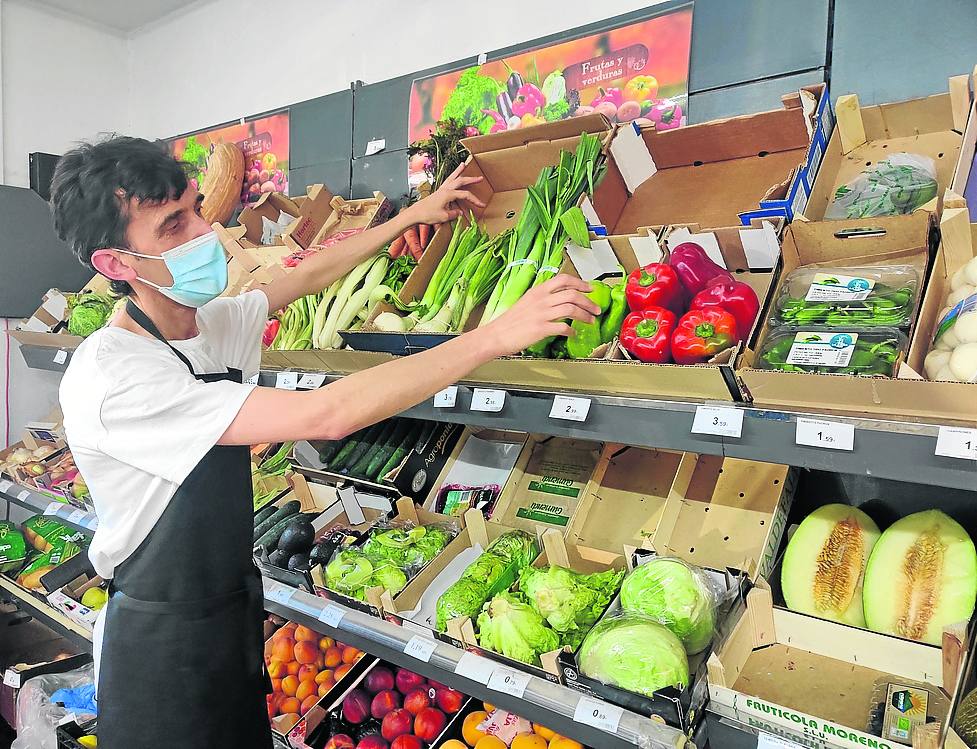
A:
<point x="182" y="650"/>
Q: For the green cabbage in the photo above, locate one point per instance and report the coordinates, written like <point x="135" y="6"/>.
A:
<point x="569" y="601"/>
<point x="509" y="626"/>
<point x="473" y="93"/>
<point x="676" y="595"/>
<point x="88" y="313"/>
<point x="634" y="653"/>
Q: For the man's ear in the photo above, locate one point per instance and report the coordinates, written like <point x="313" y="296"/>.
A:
<point x="109" y="264"/>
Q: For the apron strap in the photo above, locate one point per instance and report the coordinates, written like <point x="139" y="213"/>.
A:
<point x="142" y="320"/>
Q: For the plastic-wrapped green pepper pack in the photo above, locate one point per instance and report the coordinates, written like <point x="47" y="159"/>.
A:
<point x="869" y="352"/>
<point x="896" y="185"/>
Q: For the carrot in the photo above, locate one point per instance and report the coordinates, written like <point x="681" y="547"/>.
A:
<point x="398" y="246"/>
<point x="424" y="232"/>
<point x="413" y="243"/>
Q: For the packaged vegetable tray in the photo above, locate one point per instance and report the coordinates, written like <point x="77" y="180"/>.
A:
<point x="869" y="352"/>
<point x="847" y="297"/>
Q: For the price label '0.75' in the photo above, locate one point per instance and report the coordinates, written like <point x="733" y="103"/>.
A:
<point x="598" y="714"/>
<point x="507" y="681"/>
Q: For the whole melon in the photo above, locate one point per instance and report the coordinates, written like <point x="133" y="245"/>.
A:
<point x="965" y="722"/>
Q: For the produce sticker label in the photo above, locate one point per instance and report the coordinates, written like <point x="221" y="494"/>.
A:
<point x="822" y="349"/>
<point x="264" y="142"/>
<point x="827" y="287"/>
<point x="634" y="73"/>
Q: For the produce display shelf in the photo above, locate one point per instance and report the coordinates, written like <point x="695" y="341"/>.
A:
<point x="45" y="357"/>
<point x="902" y="450"/>
<point x="44" y="612"/>
<point x="80" y="520"/>
<point x="543" y="701"/>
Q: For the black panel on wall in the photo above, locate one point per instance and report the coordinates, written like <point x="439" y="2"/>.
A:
<point x="320" y="133"/>
<point x="901" y="49"/>
<point x="28" y="243"/>
<point x="747" y="98"/>
<point x="386" y="172"/>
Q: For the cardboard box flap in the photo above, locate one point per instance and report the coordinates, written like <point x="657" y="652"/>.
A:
<point x="558" y="130"/>
<point x="899" y="239"/>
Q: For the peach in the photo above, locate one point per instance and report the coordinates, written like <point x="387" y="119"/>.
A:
<point x="304" y="633"/>
<point x="325" y="643"/>
<point x="290" y="685"/>
<point x="341" y="671"/>
<point x="334" y="657"/>
<point x="350" y="654"/>
<point x="282" y="649"/>
<point x="324" y="687"/>
<point x="276" y="669"/>
<point x="292" y="668"/>
<point x="307" y="672"/>
<point x="305" y="651"/>
<point x="290" y="705"/>
<point x="308" y="703"/>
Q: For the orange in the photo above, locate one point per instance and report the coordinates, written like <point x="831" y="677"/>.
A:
<point x="334" y="656"/>
<point x="562" y="742"/>
<point x="290" y="705"/>
<point x="304" y="633"/>
<point x="453" y="744"/>
<point x="276" y="669"/>
<point x="308" y="703"/>
<point x="341" y="671"/>
<point x="490" y="742"/>
<point x="282" y="649"/>
<point x="469" y="729"/>
<point x="546" y="733"/>
<point x="324" y="687"/>
<point x="528" y="741"/>
<point x="289" y="685"/>
<point x="305" y="651"/>
<point x="350" y="654"/>
<point x="306" y="689"/>
<point x="292" y="668"/>
<point x="487" y="707"/>
<point x="307" y="672"/>
<point x="325" y="643"/>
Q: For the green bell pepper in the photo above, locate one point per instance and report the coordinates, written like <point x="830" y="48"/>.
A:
<point x="587" y="335"/>
<point x="611" y="323"/>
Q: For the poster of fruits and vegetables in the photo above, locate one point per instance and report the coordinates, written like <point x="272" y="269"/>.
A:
<point x="638" y="72"/>
<point x="265" y="145"/>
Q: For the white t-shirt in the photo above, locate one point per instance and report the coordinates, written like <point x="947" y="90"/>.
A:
<point x="138" y="422"/>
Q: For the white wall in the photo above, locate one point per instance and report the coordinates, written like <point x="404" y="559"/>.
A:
<point x="63" y="81"/>
<point x="230" y="58"/>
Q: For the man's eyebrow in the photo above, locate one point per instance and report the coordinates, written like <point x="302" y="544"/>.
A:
<point x="169" y="219"/>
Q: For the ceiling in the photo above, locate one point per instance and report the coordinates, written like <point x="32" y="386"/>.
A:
<point x="120" y="15"/>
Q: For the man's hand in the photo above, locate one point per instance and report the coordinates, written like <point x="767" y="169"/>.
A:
<point x="447" y="202"/>
<point x="542" y="312"/>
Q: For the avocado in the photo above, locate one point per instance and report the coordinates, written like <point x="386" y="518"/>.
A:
<point x="278" y="558"/>
<point x="297" y="537"/>
<point x="298" y="562"/>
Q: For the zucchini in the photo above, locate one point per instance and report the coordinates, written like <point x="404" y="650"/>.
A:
<point x="390" y="426"/>
<point x="263" y="514"/>
<point x="285" y="511"/>
<point x="327" y="450"/>
<point x="344" y="452"/>
<point x="362" y="446"/>
<point x="269" y="540"/>
<point x="399" y="435"/>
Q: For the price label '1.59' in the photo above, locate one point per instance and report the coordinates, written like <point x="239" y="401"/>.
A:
<point x="828" y="434"/>
<point x="957" y="442"/>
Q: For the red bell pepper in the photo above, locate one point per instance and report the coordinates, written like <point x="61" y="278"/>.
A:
<point x="647" y="335"/>
<point x="701" y="334"/>
<point x="271" y="330"/>
<point x="655" y="285"/>
<point x="694" y="267"/>
<point x="736" y="297"/>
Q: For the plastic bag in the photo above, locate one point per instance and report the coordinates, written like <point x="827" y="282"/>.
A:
<point x="634" y="652"/>
<point x="678" y="595"/>
<point x="953" y="356"/>
<point x="410" y="547"/>
<point x="37" y="716"/>
<point x="898" y="184"/>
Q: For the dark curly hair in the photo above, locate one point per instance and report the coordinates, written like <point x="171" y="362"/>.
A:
<point x="94" y="184"/>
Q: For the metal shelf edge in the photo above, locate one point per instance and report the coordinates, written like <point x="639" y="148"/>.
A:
<point x="50" y="616"/>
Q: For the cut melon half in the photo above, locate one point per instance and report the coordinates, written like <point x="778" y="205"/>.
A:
<point x="825" y="562"/>
<point x="921" y="577"/>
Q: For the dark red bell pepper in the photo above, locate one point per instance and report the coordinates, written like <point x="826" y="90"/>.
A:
<point x="647" y="335"/>
<point x="736" y="297"/>
<point x="694" y="267"/>
<point x="655" y="285"/>
<point x="701" y="334"/>
<point x="271" y="330"/>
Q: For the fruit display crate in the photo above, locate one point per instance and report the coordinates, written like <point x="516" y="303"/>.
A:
<point x="590" y="721"/>
<point x="36" y="502"/>
<point x="41" y="610"/>
<point x="913" y="451"/>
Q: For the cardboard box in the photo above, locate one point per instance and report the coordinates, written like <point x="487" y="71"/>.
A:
<point x="866" y="135"/>
<point x="716" y="173"/>
<point x="902" y="239"/>
<point x="68" y="600"/>
<point x="48" y="326"/>
<point x="800" y="671"/>
<point x="964" y="182"/>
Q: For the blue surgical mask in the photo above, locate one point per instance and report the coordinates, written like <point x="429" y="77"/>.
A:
<point x="198" y="267"/>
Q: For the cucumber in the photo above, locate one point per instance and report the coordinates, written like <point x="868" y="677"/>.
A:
<point x="270" y="539"/>
<point x="402" y="432"/>
<point x="426" y="431"/>
<point x="286" y="510"/>
<point x="344" y="452"/>
<point x="327" y="450"/>
<point x="363" y="445"/>
<point x="395" y="459"/>
<point x="263" y="514"/>
<point x="390" y="426"/>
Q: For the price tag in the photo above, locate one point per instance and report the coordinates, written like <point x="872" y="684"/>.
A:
<point x="253" y="379"/>
<point x="375" y="146"/>
<point x="52" y="509"/>
<point x="420" y="647"/>
<point x="475" y="667"/>
<point x="11" y="678"/>
<point x="490" y="401"/>
<point x="311" y="380"/>
<point x="571" y="409"/>
<point x="446" y="398"/>
<point x="5" y="485"/>
<point x="23" y="495"/>
<point x="287" y="380"/>
<point x="508" y="681"/>
<point x="719" y="420"/>
<point x="769" y="741"/>
<point x="68" y="718"/>
<point x="281" y="594"/>
<point x="61" y="357"/>
<point x="957" y="442"/>
<point x="598" y="714"/>
<point x="331" y="615"/>
<point x="827" y="434"/>
<point x="77" y="516"/>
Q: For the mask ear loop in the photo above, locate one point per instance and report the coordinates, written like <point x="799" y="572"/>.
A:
<point x="149" y="257"/>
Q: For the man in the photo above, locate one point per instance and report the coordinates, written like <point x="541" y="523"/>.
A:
<point x="159" y="421"/>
